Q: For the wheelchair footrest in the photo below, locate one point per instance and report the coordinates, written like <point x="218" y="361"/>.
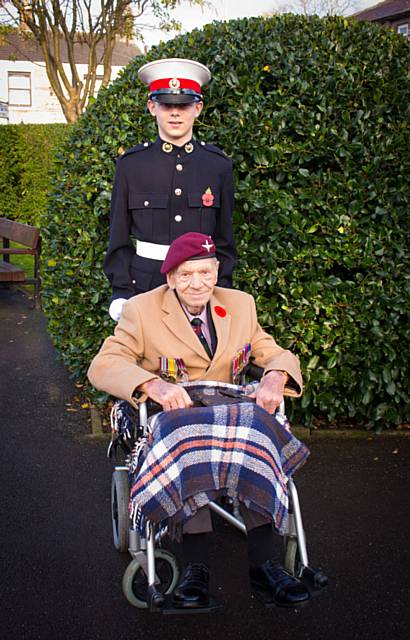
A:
<point x="266" y="599"/>
<point x="169" y="608"/>
<point x="314" y="580"/>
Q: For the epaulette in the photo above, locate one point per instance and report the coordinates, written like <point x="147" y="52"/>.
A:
<point x="138" y="147"/>
<point x="213" y="149"/>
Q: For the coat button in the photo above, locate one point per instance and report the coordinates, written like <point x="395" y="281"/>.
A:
<point x="146" y="203"/>
<point x="178" y="218"/>
<point x="178" y="191"/>
<point x="179" y="167"/>
<point x="133" y="282"/>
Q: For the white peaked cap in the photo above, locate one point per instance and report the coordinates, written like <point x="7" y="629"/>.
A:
<point x="174" y="68"/>
<point x="174" y="79"/>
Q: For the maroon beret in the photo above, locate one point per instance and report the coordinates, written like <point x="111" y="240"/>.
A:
<point x="190" y="246"/>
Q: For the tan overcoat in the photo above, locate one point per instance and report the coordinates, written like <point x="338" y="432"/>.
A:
<point x="153" y="324"/>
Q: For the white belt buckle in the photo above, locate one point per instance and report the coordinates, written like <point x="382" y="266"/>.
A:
<point x="151" y="250"/>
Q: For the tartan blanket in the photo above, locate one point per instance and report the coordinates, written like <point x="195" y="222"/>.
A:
<point x="198" y="454"/>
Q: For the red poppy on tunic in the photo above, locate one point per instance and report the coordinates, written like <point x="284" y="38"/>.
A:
<point x="208" y="198"/>
<point x="220" y="311"/>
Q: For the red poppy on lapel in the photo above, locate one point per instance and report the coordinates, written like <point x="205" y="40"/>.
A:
<point x="208" y="198"/>
<point x="220" y="311"/>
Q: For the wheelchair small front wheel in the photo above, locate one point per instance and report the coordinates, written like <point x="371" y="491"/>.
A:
<point x="120" y="495"/>
<point x="135" y="582"/>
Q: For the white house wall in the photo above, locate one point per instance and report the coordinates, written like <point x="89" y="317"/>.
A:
<point x="45" y="107"/>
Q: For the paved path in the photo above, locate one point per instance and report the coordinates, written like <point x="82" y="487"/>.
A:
<point x="61" y="578"/>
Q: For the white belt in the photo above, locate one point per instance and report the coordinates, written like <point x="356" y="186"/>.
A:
<point x="151" y="250"/>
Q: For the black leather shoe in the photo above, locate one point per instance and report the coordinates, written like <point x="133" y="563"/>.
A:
<point x="279" y="586"/>
<point x="192" y="591"/>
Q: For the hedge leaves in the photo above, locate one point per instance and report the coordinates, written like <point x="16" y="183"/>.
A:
<point x="314" y="113"/>
<point x="26" y="162"/>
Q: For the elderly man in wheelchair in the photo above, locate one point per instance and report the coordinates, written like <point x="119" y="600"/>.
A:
<point x="183" y="347"/>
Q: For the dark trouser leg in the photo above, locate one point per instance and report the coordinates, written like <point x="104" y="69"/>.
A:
<point x="263" y="541"/>
<point x="195" y="548"/>
<point x="192" y="591"/>
<point x="264" y="544"/>
<point x="195" y="537"/>
<point x="266" y="573"/>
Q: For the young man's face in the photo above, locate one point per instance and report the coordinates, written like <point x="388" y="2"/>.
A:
<point x="175" y="121"/>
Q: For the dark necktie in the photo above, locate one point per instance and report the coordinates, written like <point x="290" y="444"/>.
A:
<point x="196" y="325"/>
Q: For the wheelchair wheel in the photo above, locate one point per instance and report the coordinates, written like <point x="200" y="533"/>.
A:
<point x="292" y="559"/>
<point x="120" y="495"/>
<point x="135" y="583"/>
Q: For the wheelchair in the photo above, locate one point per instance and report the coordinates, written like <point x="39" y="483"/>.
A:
<point x="153" y="572"/>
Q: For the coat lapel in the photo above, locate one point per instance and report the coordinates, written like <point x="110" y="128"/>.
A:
<point x="222" y="325"/>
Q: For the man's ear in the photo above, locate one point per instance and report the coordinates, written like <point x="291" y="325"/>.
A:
<point x="171" y="280"/>
<point x="198" y="108"/>
<point x="216" y="271"/>
<point x="151" y="105"/>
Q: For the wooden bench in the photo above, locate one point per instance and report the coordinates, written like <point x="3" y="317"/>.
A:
<point x="30" y="238"/>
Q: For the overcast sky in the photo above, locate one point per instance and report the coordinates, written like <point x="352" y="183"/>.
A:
<point x="193" y="17"/>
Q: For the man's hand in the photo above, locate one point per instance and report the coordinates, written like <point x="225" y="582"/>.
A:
<point x="170" y="396"/>
<point x="269" y="393"/>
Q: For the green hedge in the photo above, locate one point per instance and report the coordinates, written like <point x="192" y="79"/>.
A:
<point x="314" y="113"/>
<point x="26" y="161"/>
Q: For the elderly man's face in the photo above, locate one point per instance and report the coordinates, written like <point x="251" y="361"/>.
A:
<point x="194" y="282"/>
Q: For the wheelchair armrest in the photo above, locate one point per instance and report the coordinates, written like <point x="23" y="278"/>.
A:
<point x="147" y="409"/>
<point x="253" y="372"/>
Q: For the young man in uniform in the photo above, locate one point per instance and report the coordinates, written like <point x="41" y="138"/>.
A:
<point x="168" y="187"/>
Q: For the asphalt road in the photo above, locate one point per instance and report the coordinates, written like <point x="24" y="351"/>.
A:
<point x="61" y="577"/>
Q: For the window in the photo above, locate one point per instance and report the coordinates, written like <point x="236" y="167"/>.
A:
<point x="19" y="89"/>
<point x="403" y="29"/>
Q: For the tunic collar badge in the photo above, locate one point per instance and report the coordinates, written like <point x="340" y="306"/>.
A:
<point x="167" y="147"/>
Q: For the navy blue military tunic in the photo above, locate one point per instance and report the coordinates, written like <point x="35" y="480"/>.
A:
<point x="158" y="196"/>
